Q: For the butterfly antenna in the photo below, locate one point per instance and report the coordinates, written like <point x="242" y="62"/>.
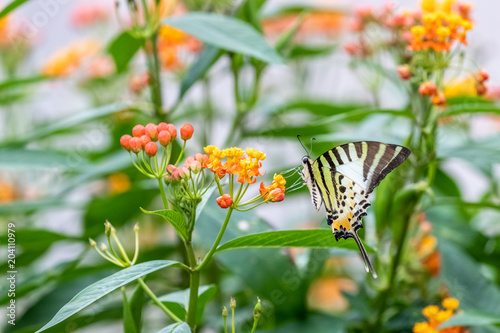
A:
<point x="364" y="255"/>
<point x="312" y="139"/>
<point x="298" y="137"/>
<point x="290" y="171"/>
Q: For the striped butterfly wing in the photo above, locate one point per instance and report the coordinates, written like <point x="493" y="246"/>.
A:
<point x="346" y="175"/>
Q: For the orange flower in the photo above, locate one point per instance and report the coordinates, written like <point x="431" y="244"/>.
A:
<point x="118" y="183"/>
<point x="436" y="317"/>
<point x="68" y="59"/>
<point x="246" y="168"/>
<point x="268" y="191"/>
<point x="444" y="23"/>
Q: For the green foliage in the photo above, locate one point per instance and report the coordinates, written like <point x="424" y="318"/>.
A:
<point x="123" y="48"/>
<point x="175" y="218"/>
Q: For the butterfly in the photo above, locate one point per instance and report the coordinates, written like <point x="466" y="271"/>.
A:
<point x="343" y="178"/>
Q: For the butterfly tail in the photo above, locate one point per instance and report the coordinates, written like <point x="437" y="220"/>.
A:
<point x="364" y="255"/>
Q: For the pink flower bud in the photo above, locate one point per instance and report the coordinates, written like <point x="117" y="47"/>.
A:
<point x="189" y="160"/>
<point x="172" y="130"/>
<point x="138" y="131"/>
<point x="161" y="127"/>
<point x="481" y="89"/>
<point x="201" y="158"/>
<point x="151" y="131"/>
<point x="151" y="149"/>
<point x="170" y="168"/>
<point x="186" y="131"/>
<point x="144" y="140"/>
<point x="404" y="72"/>
<point x="276" y="195"/>
<point x="427" y="89"/>
<point x="224" y="201"/>
<point x="195" y="167"/>
<point x="175" y="176"/>
<point x="164" y="138"/>
<point x="183" y="173"/>
<point x="135" y="145"/>
<point x="482" y="76"/>
<point x="124" y="141"/>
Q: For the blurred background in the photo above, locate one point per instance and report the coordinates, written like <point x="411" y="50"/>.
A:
<point x="75" y="175"/>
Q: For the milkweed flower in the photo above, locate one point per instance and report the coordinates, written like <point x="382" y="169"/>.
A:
<point x="224" y="201"/>
<point x="87" y="13"/>
<point x="68" y="59"/>
<point x="435" y="316"/>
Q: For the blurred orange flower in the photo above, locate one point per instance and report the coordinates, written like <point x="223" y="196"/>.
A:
<point x="436" y="316"/>
<point x="68" y="59"/>
<point x="325" y="294"/>
<point x="118" y="183"/>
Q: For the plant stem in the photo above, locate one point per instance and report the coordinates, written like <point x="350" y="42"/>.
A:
<point x="162" y="192"/>
<point x="217" y="241"/>
<point x="154" y="75"/>
<point x="157" y="301"/>
<point x="194" y="285"/>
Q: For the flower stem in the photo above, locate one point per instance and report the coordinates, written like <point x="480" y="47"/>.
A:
<point x="162" y="192"/>
<point x="157" y="301"/>
<point x="217" y="241"/>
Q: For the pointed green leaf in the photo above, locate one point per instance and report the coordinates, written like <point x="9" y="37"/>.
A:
<point x="291" y="238"/>
<point x="480" y="107"/>
<point x="196" y="71"/>
<point x="471" y="318"/>
<point x="123" y="48"/>
<point x="39" y="159"/>
<point x="175" y="218"/>
<point x="176" y="328"/>
<point x="103" y="287"/>
<point x="226" y="33"/>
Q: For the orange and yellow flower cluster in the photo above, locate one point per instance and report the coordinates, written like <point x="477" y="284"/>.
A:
<point x="274" y="192"/>
<point x="245" y="167"/>
<point x="436" y="316"/>
<point x="172" y="43"/>
<point x="443" y="23"/>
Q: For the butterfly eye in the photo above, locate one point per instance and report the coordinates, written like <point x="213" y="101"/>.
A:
<point x="305" y="160"/>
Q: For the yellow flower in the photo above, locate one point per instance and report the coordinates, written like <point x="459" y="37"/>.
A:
<point x="254" y="153"/>
<point x="450" y="303"/>
<point x="461" y="87"/>
<point x="442" y="316"/>
<point x="68" y="59"/>
<point x="171" y="36"/>
<point x="422" y="328"/>
<point x="430" y="311"/>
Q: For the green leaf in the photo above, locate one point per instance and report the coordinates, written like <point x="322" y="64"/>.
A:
<point x="206" y="59"/>
<point x="21" y="82"/>
<point x="470" y="108"/>
<point x="471" y="318"/>
<point x="306" y="51"/>
<point x="128" y="319"/>
<point x="291" y="238"/>
<point x="123" y="48"/>
<point x="103" y="287"/>
<point x="178" y="301"/>
<point x="463" y="277"/>
<point x="118" y="209"/>
<point x="360" y="113"/>
<point x="11" y="6"/>
<point x="226" y="33"/>
<point x="176" y="328"/>
<point x="27" y="159"/>
<point x="175" y="218"/>
<point x="32" y="239"/>
<point x="318" y="108"/>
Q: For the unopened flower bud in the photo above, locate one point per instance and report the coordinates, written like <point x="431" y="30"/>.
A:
<point x="151" y="149"/>
<point x="151" y="131"/>
<point x="183" y="173"/>
<point x="172" y="130"/>
<point x="162" y="127"/>
<point x="170" y="168"/>
<point x="164" y="138"/>
<point x="175" y="176"/>
<point x="224" y="312"/>
<point x="195" y="167"/>
<point x="481" y="89"/>
<point x="138" y="131"/>
<point x="404" y="72"/>
<point x="186" y="131"/>
<point x="224" y="202"/>
<point x="104" y="247"/>
<point x="144" y="140"/>
<point x="135" y="145"/>
<point x="92" y="242"/>
<point x="439" y="99"/>
<point x="276" y="195"/>
<point x="233" y="301"/>
<point x="136" y="227"/>
<point x="108" y="228"/>
<point x="482" y="76"/>
<point x="258" y="308"/>
<point x="124" y="141"/>
<point x="427" y="89"/>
